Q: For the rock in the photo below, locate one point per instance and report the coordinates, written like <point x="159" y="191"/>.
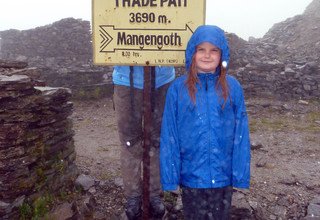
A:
<point x="265" y="105"/>
<point x="286" y="107"/>
<point x="280" y="211"/>
<point x="92" y="190"/>
<point x="36" y="140"/>
<point x="239" y="201"/>
<point x="4" y="207"/>
<point x="84" y="181"/>
<point x="13" y="64"/>
<point x="289" y="70"/>
<point x="307" y="87"/>
<point x="273" y="217"/>
<point x="98" y="215"/>
<point x="18" y="201"/>
<point x="289" y="181"/>
<point x="256" y="145"/>
<point x="119" y="182"/>
<point x="262" y="162"/>
<point x="303" y="102"/>
<point x="311" y="218"/>
<point x="314" y="208"/>
<point x="63" y="212"/>
<point x="253" y="204"/>
<point x="88" y="205"/>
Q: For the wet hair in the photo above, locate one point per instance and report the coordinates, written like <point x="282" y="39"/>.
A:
<point x="221" y="86"/>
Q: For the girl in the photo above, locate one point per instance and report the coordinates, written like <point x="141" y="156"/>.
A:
<point x="204" y="146"/>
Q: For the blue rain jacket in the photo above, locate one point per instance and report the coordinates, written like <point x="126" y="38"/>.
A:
<point x="203" y="145"/>
<point x="121" y="76"/>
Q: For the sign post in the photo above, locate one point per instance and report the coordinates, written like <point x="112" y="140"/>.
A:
<point x="145" y="33"/>
<point x="146" y="140"/>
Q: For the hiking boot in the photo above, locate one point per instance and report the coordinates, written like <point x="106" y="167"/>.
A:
<point x="156" y="207"/>
<point x="133" y="208"/>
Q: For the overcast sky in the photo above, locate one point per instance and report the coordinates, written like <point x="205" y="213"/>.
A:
<point x="244" y="18"/>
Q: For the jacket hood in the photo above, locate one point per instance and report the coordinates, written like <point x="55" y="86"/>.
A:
<point x="211" y="34"/>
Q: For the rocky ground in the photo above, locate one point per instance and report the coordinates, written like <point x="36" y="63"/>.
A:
<point x="285" y="161"/>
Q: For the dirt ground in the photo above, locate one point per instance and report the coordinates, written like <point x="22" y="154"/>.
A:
<point x="285" y="167"/>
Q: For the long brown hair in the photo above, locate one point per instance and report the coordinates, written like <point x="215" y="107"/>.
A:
<point x="192" y="79"/>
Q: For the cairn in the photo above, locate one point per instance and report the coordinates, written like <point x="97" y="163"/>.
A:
<point x="37" y="152"/>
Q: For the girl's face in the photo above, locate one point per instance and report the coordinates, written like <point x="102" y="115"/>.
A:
<point x="207" y="57"/>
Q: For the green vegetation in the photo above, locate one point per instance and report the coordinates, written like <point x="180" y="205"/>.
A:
<point x="25" y="211"/>
<point x="38" y="209"/>
<point x="41" y="206"/>
<point x="303" y="123"/>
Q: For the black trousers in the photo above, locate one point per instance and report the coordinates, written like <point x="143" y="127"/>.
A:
<point x="205" y="204"/>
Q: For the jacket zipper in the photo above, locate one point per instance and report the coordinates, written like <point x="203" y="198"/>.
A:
<point x="209" y="124"/>
<point x="206" y="83"/>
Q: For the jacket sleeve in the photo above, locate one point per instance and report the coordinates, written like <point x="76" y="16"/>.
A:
<point x="169" y="146"/>
<point x="241" y="150"/>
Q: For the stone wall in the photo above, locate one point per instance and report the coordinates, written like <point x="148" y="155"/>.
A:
<point x="286" y="83"/>
<point x="263" y="72"/>
<point x="63" y="44"/>
<point x="63" y="52"/>
<point x="37" y="154"/>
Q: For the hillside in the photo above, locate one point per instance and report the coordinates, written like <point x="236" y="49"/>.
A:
<point x="299" y="35"/>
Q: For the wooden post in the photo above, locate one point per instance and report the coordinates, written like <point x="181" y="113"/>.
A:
<point x="146" y="143"/>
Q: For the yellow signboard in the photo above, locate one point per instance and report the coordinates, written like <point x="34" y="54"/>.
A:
<point x="144" y="32"/>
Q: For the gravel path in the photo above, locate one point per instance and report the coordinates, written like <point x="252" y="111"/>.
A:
<point x="285" y="167"/>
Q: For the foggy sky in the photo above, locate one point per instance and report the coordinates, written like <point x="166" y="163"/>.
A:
<point x="244" y="18"/>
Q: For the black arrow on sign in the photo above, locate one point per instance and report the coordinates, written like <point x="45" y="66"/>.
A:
<point x="106" y="38"/>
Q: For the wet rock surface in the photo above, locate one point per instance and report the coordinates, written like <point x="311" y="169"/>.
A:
<point x="285" y="160"/>
<point x="37" y="151"/>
